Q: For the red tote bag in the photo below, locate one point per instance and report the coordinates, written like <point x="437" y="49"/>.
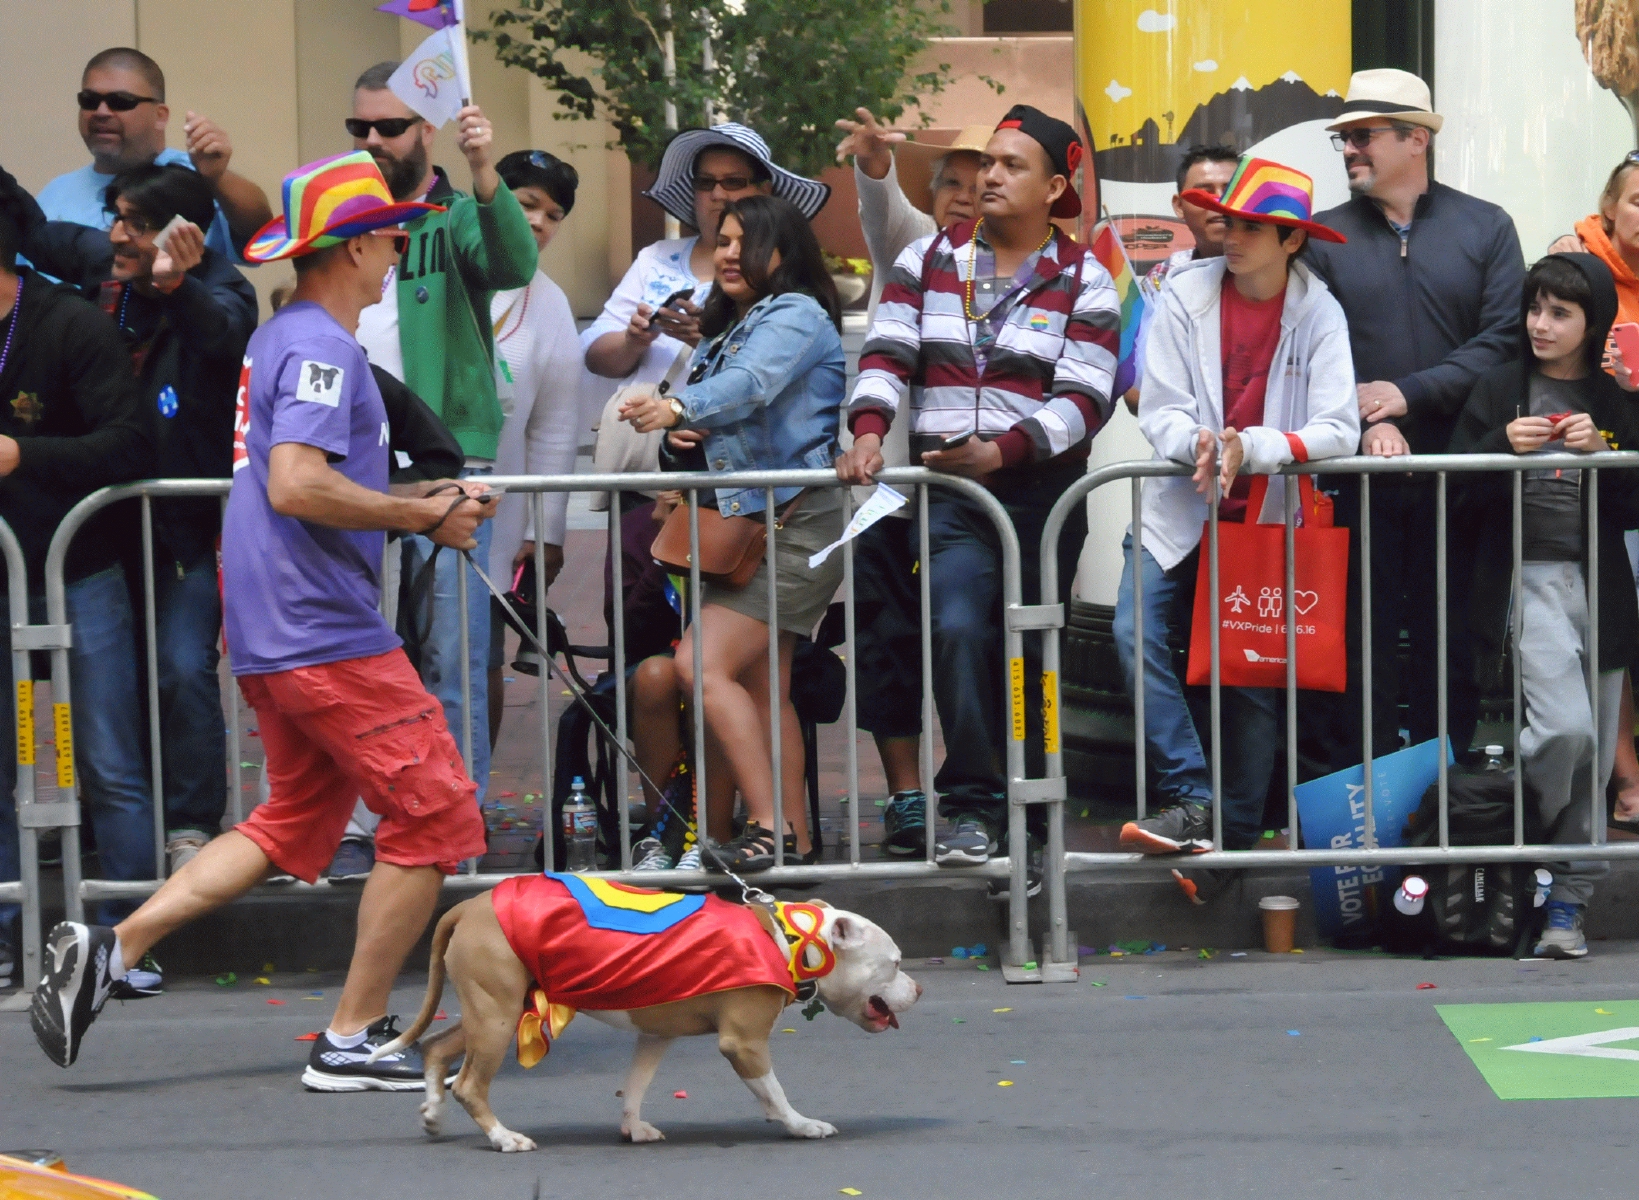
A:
<point x="1252" y="599"/>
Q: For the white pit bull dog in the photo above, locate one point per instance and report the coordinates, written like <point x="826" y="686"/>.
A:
<point x="531" y="953"/>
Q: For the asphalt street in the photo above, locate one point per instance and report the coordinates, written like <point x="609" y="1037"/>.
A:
<point x="1296" y="1076"/>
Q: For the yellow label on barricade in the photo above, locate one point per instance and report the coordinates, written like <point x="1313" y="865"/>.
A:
<point x="25" y="722"/>
<point x="63" y="720"/>
<point x="1015" y="671"/>
<point x="1050" y="710"/>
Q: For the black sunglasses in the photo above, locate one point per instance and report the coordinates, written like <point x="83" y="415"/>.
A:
<point x="1360" y="138"/>
<point x="388" y="127"/>
<point x="91" y="101"/>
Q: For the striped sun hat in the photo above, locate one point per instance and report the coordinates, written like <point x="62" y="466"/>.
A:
<point x="327" y="202"/>
<point x="1261" y="190"/>
<point x="673" y="187"/>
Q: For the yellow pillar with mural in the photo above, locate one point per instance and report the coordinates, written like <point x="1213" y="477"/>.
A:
<point x="1154" y="77"/>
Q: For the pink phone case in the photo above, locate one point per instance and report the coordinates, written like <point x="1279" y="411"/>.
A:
<point x="1627" y="341"/>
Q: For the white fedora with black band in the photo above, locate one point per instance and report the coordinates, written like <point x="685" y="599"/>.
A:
<point x="673" y="188"/>
<point x="1386" y="92"/>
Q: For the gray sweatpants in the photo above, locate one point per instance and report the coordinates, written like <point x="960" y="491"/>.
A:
<point x="1557" y="743"/>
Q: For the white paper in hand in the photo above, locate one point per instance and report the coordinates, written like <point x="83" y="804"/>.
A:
<point x="882" y="502"/>
<point x="429" y="80"/>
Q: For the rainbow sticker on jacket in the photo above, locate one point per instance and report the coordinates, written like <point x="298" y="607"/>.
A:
<point x="1039" y="322"/>
<point x="626" y="909"/>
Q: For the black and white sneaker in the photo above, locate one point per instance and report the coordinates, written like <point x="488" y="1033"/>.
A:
<point x="73" y="989"/>
<point x="970" y="843"/>
<point x="333" y="1068"/>
<point x="1183" y="827"/>
<point x="141" y="981"/>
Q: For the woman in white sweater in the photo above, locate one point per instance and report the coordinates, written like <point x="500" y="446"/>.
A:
<point x="537" y="347"/>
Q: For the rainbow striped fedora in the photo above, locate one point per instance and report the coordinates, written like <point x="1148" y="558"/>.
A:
<point x="1261" y="190"/>
<point x="327" y="202"/>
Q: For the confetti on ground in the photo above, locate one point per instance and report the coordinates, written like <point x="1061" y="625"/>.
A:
<point x="1604" y="1012"/>
<point x="1295" y="950"/>
<point x="311" y="970"/>
<point x="227" y="980"/>
<point x="1425" y="987"/>
<point x="1294" y="1033"/>
<point x="250" y="766"/>
<point x="850" y="1191"/>
<point x="1004" y="1083"/>
<point x="307" y="1037"/>
<point x="1204" y="953"/>
<point x="680" y="1095"/>
<point x="441" y="1015"/>
<point x="271" y="1000"/>
<point x="1001" y="1010"/>
<point x="314" y="996"/>
<point x="788" y="1031"/>
<point x="1099" y="983"/>
<point x="957" y="1021"/>
<point x="508" y="795"/>
<point x="984" y="966"/>
<point x="1017" y="1062"/>
<point x="1135" y="997"/>
<point x="1237" y="954"/>
<point x="264" y="981"/>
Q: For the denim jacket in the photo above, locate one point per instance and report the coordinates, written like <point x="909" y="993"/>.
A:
<point x="768" y="394"/>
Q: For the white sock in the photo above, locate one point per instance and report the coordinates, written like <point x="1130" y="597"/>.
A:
<point x="347" y="1041"/>
<point x="116" y="962"/>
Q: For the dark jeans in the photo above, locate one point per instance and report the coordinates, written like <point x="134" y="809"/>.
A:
<point x="1403" y="596"/>
<point x="888" y="630"/>
<point x="188" y="613"/>
<point x="968" y="668"/>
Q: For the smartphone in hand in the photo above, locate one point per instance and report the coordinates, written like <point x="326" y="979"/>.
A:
<point x="958" y="440"/>
<point x="1627" y="341"/>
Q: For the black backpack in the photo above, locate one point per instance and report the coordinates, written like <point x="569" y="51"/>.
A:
<point x="1472" y="908"/>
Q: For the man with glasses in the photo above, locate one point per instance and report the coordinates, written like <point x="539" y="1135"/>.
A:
<point x="1430" y="281"/>
<point x="122" y="122"/>
<point x="431" y="329"/>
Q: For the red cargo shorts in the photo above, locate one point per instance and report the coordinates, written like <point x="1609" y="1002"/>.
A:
<point x="361" y="727"/>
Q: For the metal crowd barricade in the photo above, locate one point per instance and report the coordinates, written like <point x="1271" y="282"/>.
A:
<point x="31" y="815"/>
<point x="1441" y="466"/>
<point x="1021" y="791"/>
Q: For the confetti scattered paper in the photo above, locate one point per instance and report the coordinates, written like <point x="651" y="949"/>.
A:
<point x="1004" y="1083"/>
<point x="273" y="1001"/>
<point x="957" y="1021"/>
<point x="1017" y="1062"/>
<point x="1001" y="1010"/>
<point x="1425" y="987"/>
<point x="264" y="981"/>
<point x="850" y="1191"/>
<point x="1098" y="983"/>
<point x="307" y="1037"/>
<point x="441" y="1015"/>
<point x="680" y="1095"/>
<point x="1294" y="1033"/>
<point x="227" y="980"/>
<point x="788" y="1031"/>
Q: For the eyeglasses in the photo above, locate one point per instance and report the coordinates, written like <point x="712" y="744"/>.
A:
<point x="134" y="225"/>
<point x="91" y="101"/>
<point x="1359" y="138"/>
<point x="729" y="183"/>
<point x="401" y="241"/>
<point x="388" y="127"/>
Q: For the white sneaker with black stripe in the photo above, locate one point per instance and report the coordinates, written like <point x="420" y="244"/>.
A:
<point x="73" y="988"/>
<point x="333" y="1068"/>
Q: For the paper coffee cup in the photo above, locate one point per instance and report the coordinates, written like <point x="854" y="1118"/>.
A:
<point x="1280" y="923"/>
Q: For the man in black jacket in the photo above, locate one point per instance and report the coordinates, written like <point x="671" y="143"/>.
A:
<point x="71" y="423"/>
<point x="1430" y="281"/>
<point x="185" y="313"/>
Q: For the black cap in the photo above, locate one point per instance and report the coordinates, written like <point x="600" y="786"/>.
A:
<point x="1064" y="150"/>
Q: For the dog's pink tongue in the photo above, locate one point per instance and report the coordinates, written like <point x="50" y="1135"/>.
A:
<point x="879" y="1007"/>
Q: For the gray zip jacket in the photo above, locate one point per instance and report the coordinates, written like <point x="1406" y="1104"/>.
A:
<point x="1309" y="408"/>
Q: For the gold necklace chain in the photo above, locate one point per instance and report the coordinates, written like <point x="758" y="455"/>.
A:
<point x="972" y="260"/>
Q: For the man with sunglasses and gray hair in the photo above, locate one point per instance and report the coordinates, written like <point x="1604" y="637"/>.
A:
<point x="1430" y="281"/>
<point x="123" y="115"/>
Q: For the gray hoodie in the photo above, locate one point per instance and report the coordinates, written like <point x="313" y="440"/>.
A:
<point x="1309" y="409"/>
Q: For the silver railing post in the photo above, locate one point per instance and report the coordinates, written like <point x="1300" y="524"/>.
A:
<point x="1140" y="662"/>
<point x="925" y="598"/>
<point x="1367" y="699"/>
<point x="1442" y="669"/>
<point x="617" y="607"/>
<point x="31" y="816"/>
<point x="1596" y="786"/>
<point x="851" y="696"/>
<point x="1214" y="600"/>
<point x="776" y="715"/>
<point x="697" y="702"/>
<point x="1516" y="630"/>
<point x="155" y="747"/>
<point x="549" y="825"/>
<point x="1291" y="488"/>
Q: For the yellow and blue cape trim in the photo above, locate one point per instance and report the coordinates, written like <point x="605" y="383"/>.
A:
<point x="626" y="909"/>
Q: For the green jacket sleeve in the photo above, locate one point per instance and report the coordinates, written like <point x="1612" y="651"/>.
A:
<point x="493" y="246"/>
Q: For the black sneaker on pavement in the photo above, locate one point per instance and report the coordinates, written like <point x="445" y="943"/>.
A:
<point x="905" y="824"/>
<point x="353" y="862"/>
<point x="970" y="843"/>
<point x="73" y="988"/>
<point x="140" y="982"/>
<point x="1033" y="871"/>
<point x="1183" y="827"/>
<point x="332" y="1068"/>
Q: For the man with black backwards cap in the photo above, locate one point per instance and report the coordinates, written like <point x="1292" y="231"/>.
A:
<point x="1430" y="282"/>
<point x="1006" y="331"/>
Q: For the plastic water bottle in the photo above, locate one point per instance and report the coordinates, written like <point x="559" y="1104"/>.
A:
<point x="1540" y="883"/>
<point x="1493" y="758"/>
<point x="580" y="829"/>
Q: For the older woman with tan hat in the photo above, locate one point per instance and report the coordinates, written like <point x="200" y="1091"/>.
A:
<point x="907" y="190"/>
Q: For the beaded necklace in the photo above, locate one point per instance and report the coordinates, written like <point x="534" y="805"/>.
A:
<point x="972" y="261"/>
<point x="16" y="311"/>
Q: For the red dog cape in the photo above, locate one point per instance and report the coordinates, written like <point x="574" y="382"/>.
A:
<point x="597" y="945"/>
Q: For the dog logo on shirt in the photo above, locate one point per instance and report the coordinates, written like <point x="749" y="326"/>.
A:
<point x="320" y="383"/>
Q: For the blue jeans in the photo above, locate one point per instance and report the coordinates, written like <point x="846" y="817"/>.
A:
<point x="438" y="653"/>
<point x="965" y="586"/>
<point x="188" y="610"/>
<point x="1173" y="743"/>
<point x="108" y="738"/>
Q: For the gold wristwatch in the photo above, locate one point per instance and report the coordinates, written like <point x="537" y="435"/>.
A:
<point x="676" y="406"/>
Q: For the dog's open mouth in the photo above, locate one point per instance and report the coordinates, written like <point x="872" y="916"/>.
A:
<point x="881" y="1014"/>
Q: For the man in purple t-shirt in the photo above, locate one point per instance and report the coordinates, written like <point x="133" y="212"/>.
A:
<point x="342" y="713"/>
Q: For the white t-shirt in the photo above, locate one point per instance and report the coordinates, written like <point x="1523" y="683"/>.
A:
<point x="378" y="328"/>
<point x="656" y="272"/>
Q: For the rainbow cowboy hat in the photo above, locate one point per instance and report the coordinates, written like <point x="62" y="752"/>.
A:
<point x="327" y="202"/>
<point x="1261" y="190"/>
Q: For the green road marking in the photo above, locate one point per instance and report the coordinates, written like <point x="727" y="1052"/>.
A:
<point x="1585" y="1049"/>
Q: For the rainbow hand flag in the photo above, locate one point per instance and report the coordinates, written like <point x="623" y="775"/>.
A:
<point x="1112" y="255"/>
<point x="436" y="14"/>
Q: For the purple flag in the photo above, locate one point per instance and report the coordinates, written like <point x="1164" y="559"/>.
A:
<point x="435" y="14"/>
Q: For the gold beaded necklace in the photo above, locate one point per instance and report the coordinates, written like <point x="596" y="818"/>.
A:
<point x="972" y="261"/>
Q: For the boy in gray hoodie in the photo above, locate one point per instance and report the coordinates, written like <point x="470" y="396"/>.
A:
<point x="1246" y="368"/>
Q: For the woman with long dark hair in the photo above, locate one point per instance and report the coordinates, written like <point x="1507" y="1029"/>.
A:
<point x="765" y="393"/>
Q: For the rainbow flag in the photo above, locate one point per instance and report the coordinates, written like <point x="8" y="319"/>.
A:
<point x="1112" y="255"/>
<point x="436" y="14"/>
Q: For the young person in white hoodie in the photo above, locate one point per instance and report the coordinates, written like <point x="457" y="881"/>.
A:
<point x="1247" y="368"/>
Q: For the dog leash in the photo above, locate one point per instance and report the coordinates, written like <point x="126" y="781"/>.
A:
<point x="749" y="894"/>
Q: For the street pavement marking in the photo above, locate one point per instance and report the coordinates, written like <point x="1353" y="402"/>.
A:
<point x="1565" y="1050"/>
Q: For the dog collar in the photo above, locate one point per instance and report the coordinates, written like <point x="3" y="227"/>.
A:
<point x="809" y="956"/>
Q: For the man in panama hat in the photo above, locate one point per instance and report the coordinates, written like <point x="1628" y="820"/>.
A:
<point x="340" y="710"/>
<point x="1430" y="281"/>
